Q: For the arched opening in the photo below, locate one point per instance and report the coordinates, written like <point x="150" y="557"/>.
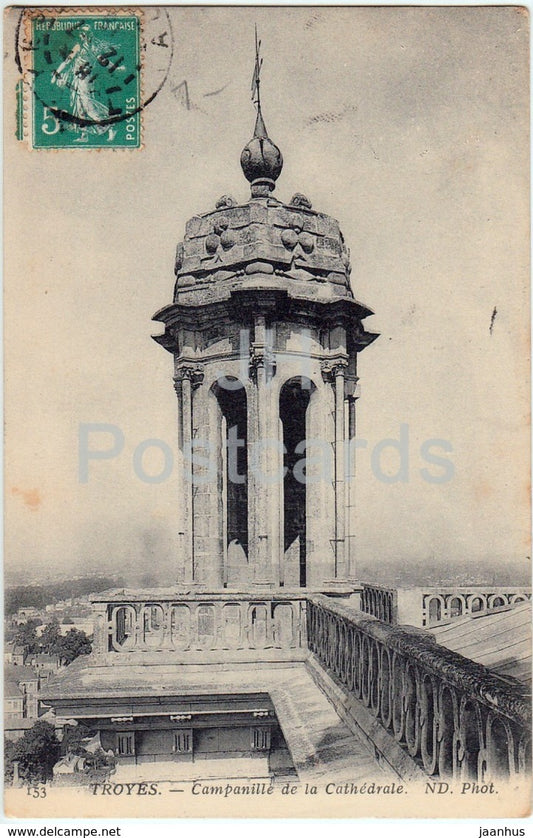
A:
<point x="434" y="610"/>
<point x="231" y="397"/>
<point x="447" y="737"/>
<point x="180" y="626"/>
<point x="497" y="602"/>
<point x="153" y="625"/>
<point x="293" y="403"/>
<point x="428" y="725"/>
<point x="206" y="626"/>
<point x="123" y="633"/>
<point x="476" y="605"/>
<point x="499" y="749"/>
<point x="456" y="607"/>
<point x="389" y="608"/>
<point x="471" y="739"/>
<point x="232" y="624"/>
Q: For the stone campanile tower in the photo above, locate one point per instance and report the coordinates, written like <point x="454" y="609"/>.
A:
<point x="265" y="330"/>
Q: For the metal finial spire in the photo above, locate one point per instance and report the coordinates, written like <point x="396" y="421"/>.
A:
<point x="261" y="159"/>
<point x="260" y="129"/>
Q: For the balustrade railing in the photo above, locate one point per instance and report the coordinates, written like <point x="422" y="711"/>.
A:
<point x="380" y="602"/>
<point x="453" y="716"/>
<point x="430" y="606"/>
<point x="446" y="604"/>
<point x="192" y="623"/>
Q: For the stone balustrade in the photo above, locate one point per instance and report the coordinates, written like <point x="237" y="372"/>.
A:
<point x="194" y="625"/>
<point x="380" y="602"/>
<point x="453" y="716"/>
<point x="428" y="606"/>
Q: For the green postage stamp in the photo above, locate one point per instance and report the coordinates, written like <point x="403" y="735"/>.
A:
<point x="85" y="79"/>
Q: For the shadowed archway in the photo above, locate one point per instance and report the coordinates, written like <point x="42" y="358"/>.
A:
<point x="294" y="401"/>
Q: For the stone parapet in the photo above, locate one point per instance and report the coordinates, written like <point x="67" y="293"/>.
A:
<point x="431" y="606"/>
<point x="193" y="625"/>
<point x="452" y="715"/>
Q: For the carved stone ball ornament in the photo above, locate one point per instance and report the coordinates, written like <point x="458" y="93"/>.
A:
<point x="227" y="239"/>
<point x="289" y="239"/>
<point x="293" y="236"/>
<point x="221" y="225"/>
<point x="261" y="159"/>
<point x="212" y="242"/>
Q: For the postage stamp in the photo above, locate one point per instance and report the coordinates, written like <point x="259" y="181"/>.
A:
<point x="86" y="80"/>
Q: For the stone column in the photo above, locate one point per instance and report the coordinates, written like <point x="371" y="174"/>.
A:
<point x="188" y="376"/>
<point x="352" y="394"/>
<point x="340" y="500"/>
<point x="101" y="629"/>
<point x="334" y="371"/>
<point x="253" y="518"/>
<point x="210" y="502"/>
<point x="223" y="524"/>
<point x="265" y="491"/>
<point x="280" y="512"/>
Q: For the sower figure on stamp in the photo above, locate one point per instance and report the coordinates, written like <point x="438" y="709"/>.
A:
<point x="76" y="73"/>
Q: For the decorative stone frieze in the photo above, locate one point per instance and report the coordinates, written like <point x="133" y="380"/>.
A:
<point x="235" y="235"/>
<point x="189" y="624"/>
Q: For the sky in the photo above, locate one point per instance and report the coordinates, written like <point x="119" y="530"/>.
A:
<point x="408" y="125"/>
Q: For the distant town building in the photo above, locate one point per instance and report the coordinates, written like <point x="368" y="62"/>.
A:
<point x="45" y="663"/>
<point x="13" y="701"/>
<point x="14" y="654"/>
<point x="21" y="692"/>
<point x="15" y="727"/>
<point x="28" y="613"/>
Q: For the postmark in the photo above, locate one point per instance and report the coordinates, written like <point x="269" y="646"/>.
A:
<point x="84" y="75"/>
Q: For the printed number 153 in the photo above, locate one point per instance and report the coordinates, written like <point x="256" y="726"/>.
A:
<point x="37" y="791"/>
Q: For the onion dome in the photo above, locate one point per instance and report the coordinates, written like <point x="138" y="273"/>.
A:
<point x="261" y="160"/>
